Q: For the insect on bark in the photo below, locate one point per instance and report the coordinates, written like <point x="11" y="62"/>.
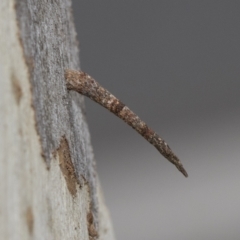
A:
<point x="84" y="84"/>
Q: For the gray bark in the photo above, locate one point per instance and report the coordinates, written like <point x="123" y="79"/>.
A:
<point x="49" y="187"/>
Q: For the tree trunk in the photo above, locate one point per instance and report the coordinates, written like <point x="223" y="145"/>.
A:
<point x="48" y="183"/>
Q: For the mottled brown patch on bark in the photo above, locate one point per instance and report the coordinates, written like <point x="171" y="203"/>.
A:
<point x="54" y="154"/>
<point x="92" y="232"/>
<point x="66" y="166"/>
<point x="30" y="220"/>
<point x="17" y="91"/>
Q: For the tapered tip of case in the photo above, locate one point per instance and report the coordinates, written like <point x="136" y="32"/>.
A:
<point x="182" y="170"/>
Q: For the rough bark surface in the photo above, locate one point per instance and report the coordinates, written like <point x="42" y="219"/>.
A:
<point x="49" y="188"/>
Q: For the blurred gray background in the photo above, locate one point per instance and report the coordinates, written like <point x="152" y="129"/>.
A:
<point x="177" y="65"/>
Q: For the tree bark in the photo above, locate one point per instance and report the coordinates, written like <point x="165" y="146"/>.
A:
<point x="48" y="183"/>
